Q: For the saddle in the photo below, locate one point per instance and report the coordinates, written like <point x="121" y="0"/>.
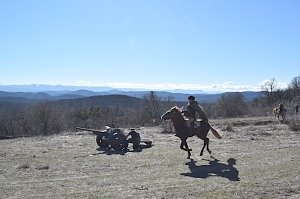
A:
<point x="194" y="123"/>
<point x="198" y="125"/>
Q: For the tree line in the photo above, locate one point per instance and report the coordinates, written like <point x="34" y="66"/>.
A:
<point x="46" y="118"/>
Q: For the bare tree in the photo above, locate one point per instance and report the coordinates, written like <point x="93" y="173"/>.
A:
<point x="295" y="83"/>
<point x="269" y="87"/>
<point x="294" y="87"/>
<point x="8" y="125"/>
<point x="152" y="107"/>
<point x="45" y="120"/>
<point x="232" y="105"/>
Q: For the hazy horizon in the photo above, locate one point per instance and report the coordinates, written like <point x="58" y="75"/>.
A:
<point x="48" y="88"/>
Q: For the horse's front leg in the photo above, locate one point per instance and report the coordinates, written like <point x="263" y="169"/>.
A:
<point x="184" y="143"/>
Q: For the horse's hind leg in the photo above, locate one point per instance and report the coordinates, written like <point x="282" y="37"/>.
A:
<point x="207" y="144"/>
<point x="201" y="153"/>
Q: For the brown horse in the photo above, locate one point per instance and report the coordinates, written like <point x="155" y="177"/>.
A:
<point x="183" y="131"/>
<point x="277" y="113"/>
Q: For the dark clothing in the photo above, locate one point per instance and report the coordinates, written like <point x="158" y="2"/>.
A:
<point x="193" y="108"/>
<point x="135" y="139"/>
<point x="281" y="108"/>
<point x="190" y="112"/>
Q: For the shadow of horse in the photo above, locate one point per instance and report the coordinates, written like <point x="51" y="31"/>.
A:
<point x="213" y="169"/>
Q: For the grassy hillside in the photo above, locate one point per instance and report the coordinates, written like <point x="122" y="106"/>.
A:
<point x="265" y="153"/>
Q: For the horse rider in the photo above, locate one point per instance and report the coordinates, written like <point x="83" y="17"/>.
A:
<point x="281" y="107"/>
<point x="296" y="109"/>
<point x="192" y="108"/>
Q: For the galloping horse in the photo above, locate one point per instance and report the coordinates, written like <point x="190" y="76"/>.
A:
<point x="183" y="131"/>
<point x="277" y="113"/>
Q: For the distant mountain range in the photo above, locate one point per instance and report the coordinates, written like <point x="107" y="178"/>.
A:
<point x="59" y="89"/>
<point x="33" y="93"/>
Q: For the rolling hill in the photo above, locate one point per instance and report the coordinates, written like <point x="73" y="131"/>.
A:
<point x="29" y="97"/>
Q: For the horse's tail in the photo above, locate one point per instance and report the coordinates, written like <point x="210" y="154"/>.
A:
<point x="215" y="132"/>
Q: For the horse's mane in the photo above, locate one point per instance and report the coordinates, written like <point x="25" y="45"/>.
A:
<point x="179" y="111"/>
<point x="176" y="107"/>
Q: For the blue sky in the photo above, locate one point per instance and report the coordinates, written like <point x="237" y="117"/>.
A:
<point x="209" y="45"/>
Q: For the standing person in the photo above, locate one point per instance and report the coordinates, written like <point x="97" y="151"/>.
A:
<point x="281" y="107"/>
<point x="192" y="108"/>
<point x="296" y="109"/>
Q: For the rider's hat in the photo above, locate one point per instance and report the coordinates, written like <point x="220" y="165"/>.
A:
<point x="191" y="97"/>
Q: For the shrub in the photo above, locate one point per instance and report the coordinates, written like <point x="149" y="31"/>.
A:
<point x="294" y="125"/>
<point x="228" y="128"/>
<point x="168" y="127"/>
<point x="23" y="166"/>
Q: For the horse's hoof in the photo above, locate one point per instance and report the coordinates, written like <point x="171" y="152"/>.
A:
<point x="201" y="154"/>
<point x="209" y="152"/>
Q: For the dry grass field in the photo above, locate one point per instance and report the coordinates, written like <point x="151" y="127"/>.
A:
<point x="257" y="158"/>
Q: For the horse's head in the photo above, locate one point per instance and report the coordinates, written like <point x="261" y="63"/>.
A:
<point x="172" y="113"/>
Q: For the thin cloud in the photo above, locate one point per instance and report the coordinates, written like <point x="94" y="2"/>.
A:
<point x="83" y="83"/>
<point x="216" y="87"/>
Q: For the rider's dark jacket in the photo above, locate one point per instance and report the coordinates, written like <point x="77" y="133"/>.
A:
<point x="281" y="107"/>
<point x="192" y="108"/>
